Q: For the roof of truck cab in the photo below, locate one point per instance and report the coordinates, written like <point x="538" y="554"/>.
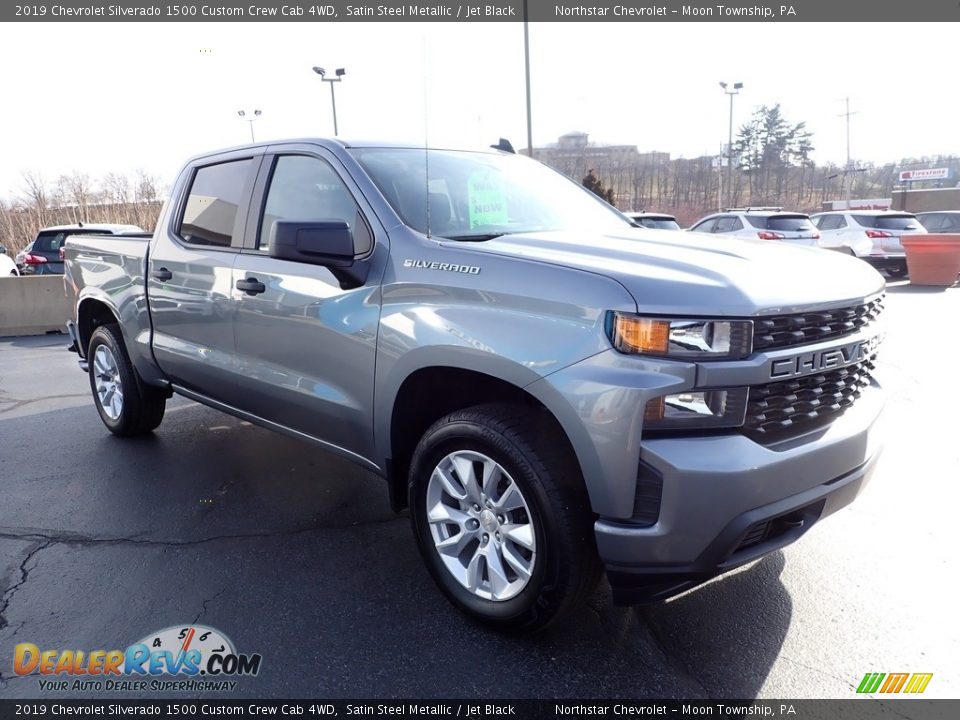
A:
<point x="347" y="144"/>
<point x="421" y="146"/>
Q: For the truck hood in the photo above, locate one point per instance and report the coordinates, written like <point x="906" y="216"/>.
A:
<point x="673" y="272"/>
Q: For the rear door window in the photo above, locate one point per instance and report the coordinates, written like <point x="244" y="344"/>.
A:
<point x="216" y="195"/>
<point x="829" y="222"/>
<point x="728" y="224"/>
<point x="705" y="226"/>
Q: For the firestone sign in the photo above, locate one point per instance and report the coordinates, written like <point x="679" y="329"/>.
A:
<point x="924" y="174"/>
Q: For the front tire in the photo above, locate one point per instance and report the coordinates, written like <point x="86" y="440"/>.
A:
<point x="501" y="516"/>
<point x="127" y="406"/>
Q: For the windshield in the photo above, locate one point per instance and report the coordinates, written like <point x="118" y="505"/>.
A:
<point x="790" y="223"/>
<point x="888" y="222"/>
<point x="473" y="196"/>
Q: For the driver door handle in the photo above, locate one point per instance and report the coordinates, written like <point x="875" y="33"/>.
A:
<point x="162" y="274"/>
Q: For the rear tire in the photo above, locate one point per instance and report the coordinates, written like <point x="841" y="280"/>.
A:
<point x="127" y="406"/>
<point x="501" y="516"/>
<point x="896" y="271"/>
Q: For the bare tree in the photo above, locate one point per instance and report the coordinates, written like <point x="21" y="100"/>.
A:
<point x="37" y="196"/>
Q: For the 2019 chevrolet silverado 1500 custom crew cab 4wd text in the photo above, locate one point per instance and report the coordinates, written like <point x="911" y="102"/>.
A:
<point x="550" y="390"/>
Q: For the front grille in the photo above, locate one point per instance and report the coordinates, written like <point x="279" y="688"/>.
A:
<point x="801" y="404"/>
<point x="782" y="331"/>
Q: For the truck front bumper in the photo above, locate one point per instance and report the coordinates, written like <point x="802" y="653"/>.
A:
<point x="727" y="500"/>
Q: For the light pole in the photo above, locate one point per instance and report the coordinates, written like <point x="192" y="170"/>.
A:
<point x="339" y="72"/>
<point x="736" y="91"/>
<point x="256" y="116"/>
<point x="526" y="65"/>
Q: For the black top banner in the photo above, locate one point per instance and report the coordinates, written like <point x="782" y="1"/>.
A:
<point x="624" y="11"/>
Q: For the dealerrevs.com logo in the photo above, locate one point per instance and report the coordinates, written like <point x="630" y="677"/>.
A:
<point x="200" y="657"/>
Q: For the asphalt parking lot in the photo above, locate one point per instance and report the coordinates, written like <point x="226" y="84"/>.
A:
<point x="296" y="555"/>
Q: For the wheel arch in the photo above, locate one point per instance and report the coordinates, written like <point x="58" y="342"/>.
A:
<point x="92" y="312"/>
<point x="429" y="393"/>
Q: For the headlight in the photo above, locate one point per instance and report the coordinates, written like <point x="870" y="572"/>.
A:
<point x="697" y="410"/>
<point x="681" y="339"/>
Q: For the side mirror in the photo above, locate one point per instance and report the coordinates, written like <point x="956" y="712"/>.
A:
<point x="319" y="242"/>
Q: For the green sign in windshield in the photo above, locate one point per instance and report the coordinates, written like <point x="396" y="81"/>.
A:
<point x="488" y="202"/>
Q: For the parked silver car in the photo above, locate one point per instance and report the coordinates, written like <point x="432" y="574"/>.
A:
<point x="872" y="235"/>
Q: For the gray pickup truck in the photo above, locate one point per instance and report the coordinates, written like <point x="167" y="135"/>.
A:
<point x="551" y="390"/>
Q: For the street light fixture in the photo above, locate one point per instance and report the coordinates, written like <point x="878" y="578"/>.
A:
<point x="339" y="73"/>
<point x="736" y="91"/>
<point x="256" y="116"/>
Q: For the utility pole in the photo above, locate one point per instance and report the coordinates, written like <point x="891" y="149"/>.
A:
<point x="847" y="170"/>
<point x="737" y="87"/>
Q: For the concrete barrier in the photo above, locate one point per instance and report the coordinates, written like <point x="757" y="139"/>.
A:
<point x="32" y="305"/>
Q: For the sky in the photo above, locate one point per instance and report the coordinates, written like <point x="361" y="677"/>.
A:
<point x="114" y="97"/>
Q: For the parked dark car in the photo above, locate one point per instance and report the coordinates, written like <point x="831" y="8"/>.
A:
<point x="944" y="221"/>
<point x="43" y="257"/>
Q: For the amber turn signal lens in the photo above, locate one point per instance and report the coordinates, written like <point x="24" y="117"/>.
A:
<point x="642" y="335"/>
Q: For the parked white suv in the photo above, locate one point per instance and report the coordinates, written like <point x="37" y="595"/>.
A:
<point x="762" y="224"/>
<point x="872" y="235"/>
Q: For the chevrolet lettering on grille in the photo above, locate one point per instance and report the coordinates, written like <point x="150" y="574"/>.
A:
<point x="830" y="359"/>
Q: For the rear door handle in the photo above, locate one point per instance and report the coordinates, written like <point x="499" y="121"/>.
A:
<point x="251" y="286"/>
<point x="162" y="274"/>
